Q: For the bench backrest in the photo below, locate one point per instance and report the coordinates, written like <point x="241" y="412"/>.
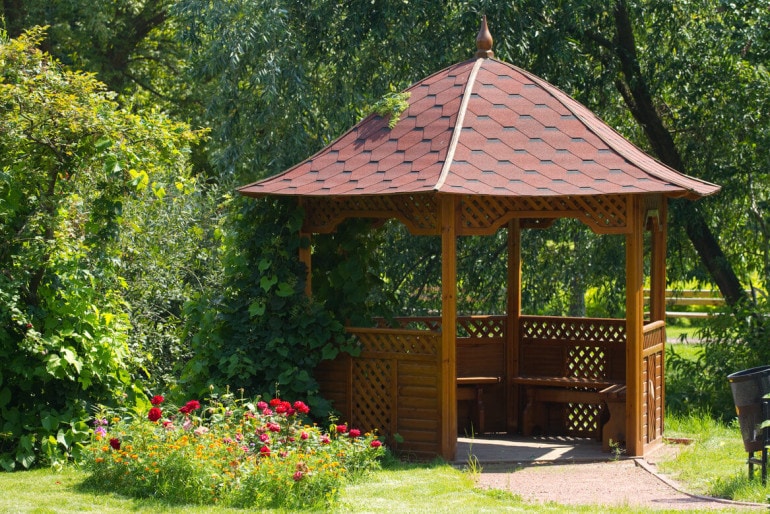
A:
<point x="592" y="348"/>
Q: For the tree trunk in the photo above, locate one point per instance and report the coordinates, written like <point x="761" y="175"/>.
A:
<point x="636" y="94"/>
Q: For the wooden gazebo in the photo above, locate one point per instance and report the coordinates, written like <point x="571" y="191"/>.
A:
<point x="482" y="146"/>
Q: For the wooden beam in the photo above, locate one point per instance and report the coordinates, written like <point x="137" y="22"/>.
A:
<point x="448" y="377"/>
<point x="305" y="252"/>
<point x="512" y="322"/>
<point x="305" y="257"/>
<point x="634" y="326"/>
<point x="658" y="267"/>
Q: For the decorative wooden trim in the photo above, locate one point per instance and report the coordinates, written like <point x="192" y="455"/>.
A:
<point x="478" y="215"/>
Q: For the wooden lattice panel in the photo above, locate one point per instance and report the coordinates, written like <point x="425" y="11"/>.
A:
<point x="582" y="419"/>
<point x="373" y="379"/>
<point x="418" y="212"/>
<point x="478" y="327"/>
<point x="415" y="343"/>
<point x="587" y="362"/>
<point x="584" y="330"/>
<point x="484" y="215"/>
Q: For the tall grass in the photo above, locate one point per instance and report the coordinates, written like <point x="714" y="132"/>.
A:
<point x="714" y="464"/>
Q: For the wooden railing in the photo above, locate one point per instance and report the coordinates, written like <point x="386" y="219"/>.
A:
<point x="689" y="297"/>
<point x="394" y="384"/>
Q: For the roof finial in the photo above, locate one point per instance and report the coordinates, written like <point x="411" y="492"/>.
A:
<point x="484" y="40"/>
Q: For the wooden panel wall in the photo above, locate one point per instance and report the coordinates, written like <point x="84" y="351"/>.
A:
<point x="653" y="405"/>
<point x="391" y="387"/>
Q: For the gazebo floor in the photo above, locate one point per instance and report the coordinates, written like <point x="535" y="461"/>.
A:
<point x="506" y="449"/>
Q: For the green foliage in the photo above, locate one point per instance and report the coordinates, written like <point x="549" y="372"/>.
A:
<point x="70" y="163"/>
<point x="734" y="340"/>
<point x="391" y="106"/>
<point x="260" y="331"/>
<point x="234" y="452"/>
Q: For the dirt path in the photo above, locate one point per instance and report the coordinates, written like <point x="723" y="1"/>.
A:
<point x="623" y="483"/>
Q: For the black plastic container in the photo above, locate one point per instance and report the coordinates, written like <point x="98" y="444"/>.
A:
<point x="748" y="387"/>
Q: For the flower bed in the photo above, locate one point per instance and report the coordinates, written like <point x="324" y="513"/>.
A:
<point x="234" y="452"/>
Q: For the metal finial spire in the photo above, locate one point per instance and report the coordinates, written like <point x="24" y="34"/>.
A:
<point x="484" y="40"/>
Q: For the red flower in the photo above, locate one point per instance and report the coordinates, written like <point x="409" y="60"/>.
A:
<point x="298" y="476"/>
<point x="115" y="443"/>
<point x="275" y="402"/>
<point x="264" y="451"/>
<point x="341" y="429"/>
<point x="157" y="400"/>
<point x="375" y="444"/>
<point x="190" y="406"/>
<point x="304" y="435"/>
<point x="301" y="407"/>
<point x="354" y="432"/>
<point x="155" y="414"/>
<point x="274" y="427"/>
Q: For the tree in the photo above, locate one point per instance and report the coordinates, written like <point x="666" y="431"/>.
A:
<point x="70" y="161"/>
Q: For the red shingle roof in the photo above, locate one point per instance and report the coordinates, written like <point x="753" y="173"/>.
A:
<point x="482" y="127"/>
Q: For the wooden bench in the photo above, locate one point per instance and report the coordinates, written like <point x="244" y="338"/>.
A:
<point x="472" y="388"/>
<point x="541" y="390"/>
<point x="614" y="429"/>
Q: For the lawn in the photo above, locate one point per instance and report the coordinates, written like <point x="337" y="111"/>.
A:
<point x="408" y="488"/>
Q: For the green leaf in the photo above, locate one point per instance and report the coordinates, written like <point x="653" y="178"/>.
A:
<point x="5" y="396"/>
<point x="256" y="308"/>
<point x="285" y="289"/>
<point x="103" y="144"/>
<point x="266" y="283"/>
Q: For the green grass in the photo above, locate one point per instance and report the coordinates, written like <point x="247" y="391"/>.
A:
<point x="715" y="463"/>
<point x="402" y="488"/>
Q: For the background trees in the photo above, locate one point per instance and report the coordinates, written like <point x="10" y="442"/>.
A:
<point x="71" y="163"/>
<point x="98" y="208"/>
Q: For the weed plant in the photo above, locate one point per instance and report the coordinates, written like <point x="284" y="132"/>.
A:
<point x="233" y="451"/>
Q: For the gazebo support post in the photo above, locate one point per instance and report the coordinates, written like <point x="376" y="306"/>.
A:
<point x="658" y="269"/>
<point x="305" y="257"/>
<point x="448" y="377"/>
<point x="305" y="254"/>
<point x="512" y="322"/>
<point x="634" y="325"/>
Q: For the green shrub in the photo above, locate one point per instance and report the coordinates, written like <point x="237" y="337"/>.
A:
<point x="233" y="451"/>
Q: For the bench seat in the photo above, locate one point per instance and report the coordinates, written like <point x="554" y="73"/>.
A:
<point x="542" y="390"/>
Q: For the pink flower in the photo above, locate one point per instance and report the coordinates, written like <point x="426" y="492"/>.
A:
<point x="200" y="430"/>
<point x="155" y="414"/>
<point x="341" y="429"/>
<point x="261" y="405"/>
<point x="264" y="438"/>
<point x="267" y="412"/>
<point x="115" y="443"/>
<point x="157" y="400"/>
<point x="100" y="432"/>
<point x="298" y="476"/>
<point x="354" y="432"/>
<point x="274" y="427"/>
<point x="325" y="439"/>
<point x="375" y="444"/>
<point x="168" y="425"/>
<point x="301" y="407"/>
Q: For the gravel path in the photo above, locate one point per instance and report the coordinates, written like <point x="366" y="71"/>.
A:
<point x="623" y="483"/>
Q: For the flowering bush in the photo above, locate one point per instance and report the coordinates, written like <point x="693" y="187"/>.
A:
<point x="235" y="452"/>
